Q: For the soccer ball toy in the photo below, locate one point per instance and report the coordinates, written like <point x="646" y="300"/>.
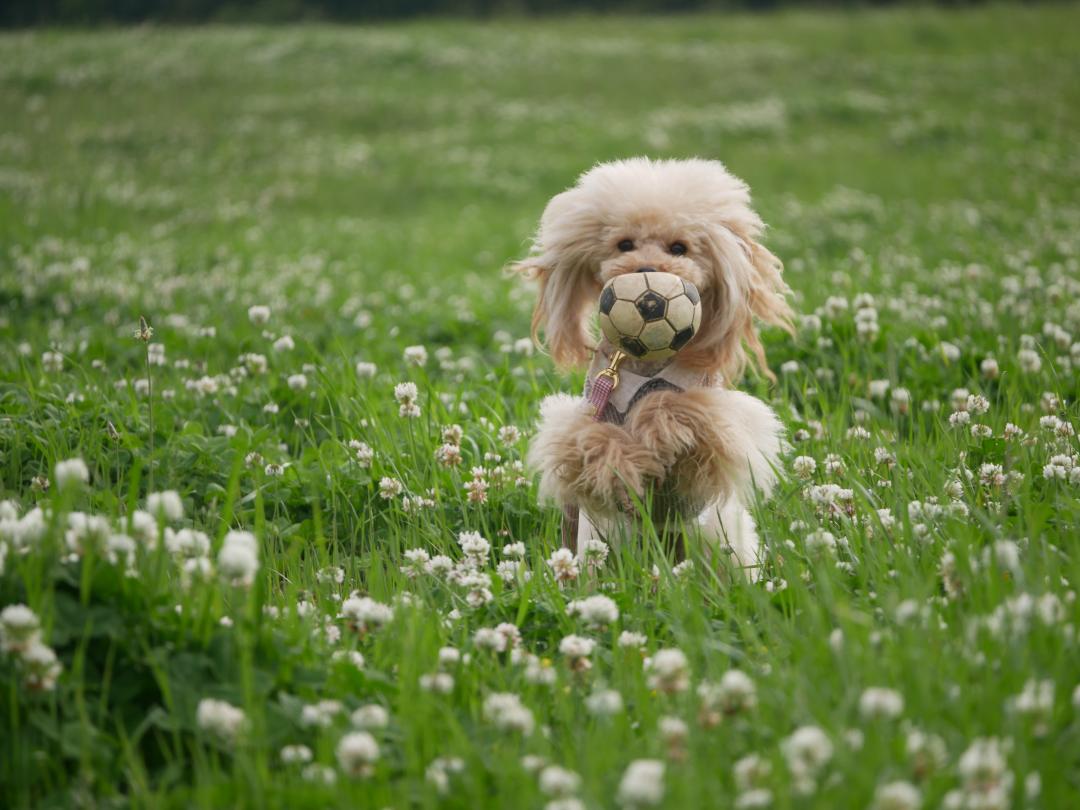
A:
<point x="651" y="315"/>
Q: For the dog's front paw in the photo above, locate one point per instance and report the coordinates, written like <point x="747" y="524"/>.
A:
<point x="591" y="464"/>
<point x="668" y="424"/>
<point x="610" y="467"/>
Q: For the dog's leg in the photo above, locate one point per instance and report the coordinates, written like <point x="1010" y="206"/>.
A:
<point x="728" y="531"/>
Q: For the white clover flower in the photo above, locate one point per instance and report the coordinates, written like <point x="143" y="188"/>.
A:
<point x="557" y="781"/>
<point x="474" y="545"/>
<point x="238" y="560"/>
<point x="927" y="752"/>
<point x="354" y="657"/>
<point x="449" y="656"/>
<point x="41" y="667"/>
<point x="509" y="570"/>
<point x="320" y="714"/>
<point x="673" y="730"/>
<point x="120" y="546"/>
<point x="506" y="711"/>
<point x="754" y="799"/>
<point x="604" y="703"/>
<point x="220" y="719"/>
<point x="880" y="703"/>
<point x="285" y="343"/>
<point x="390" y="488"/>
<point x="879" y="388"/>
<point x="440" y="565"/>
<point x="630" y="639"/>
<point x="477" y="584"/>
<point x="834" y="465"/>
<point x="897" y="796"/>
<point x="509" y="435"/>
<point x="594" y="552"/>
<point x="363" y="453"/>
<point x="532" y="763"/>
<point x="682" y="570"/>
<point x="576" y="646"/>
<point x="85" y="532"/>
<point x="642" y="784"/>
<point x="734" y="694"/>
<point x="820" y="541"/>
<point x="900" y="400"/>
<point x="540" y="673"/>
<point x="258" y="314"/>
<point x="439" y="770"/>
<point x="1037" y="698"/>
<point x="167" y="505"/>
<point x="949" y="351"/>
<point x="487" y="638"/>
<point x="319" y="774"/>
<point x="806" y="750"/>
<point x="751" y="772"/>
<point x="362" y="613"/>
<point x="514" y="550"/>
<point x="1029" y="361"/>
<point x="986" y="782"/>
<point x="52" y="361"/>
<point x="1032" y="786"/>
<point x="357" y="752"/>
<point x="804" y="466"/>
<point x="187" y="543"/>
<point x="71" y="472"/>
<point x="438" y="682"/>
<point x="297" y="382"/>
<point x="295" y="754"/>
<point x="365" y="370"/>
<point x="255" y="363"/>
<point x="417" y="561"/>
<point x="668" y="670"/>
<point x="563" y="565"/>
<point x="415" y="355"/>
<point x="885" y="457"/>
<point x="595" y="611"/>
<point x="371" y="715"/>
<point x="19" y="628"/>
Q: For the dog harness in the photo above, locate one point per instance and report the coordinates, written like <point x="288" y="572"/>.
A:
<point x="614" y="384"/>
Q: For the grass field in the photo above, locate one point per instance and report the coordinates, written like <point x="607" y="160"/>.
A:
<point x="287" y="207"/>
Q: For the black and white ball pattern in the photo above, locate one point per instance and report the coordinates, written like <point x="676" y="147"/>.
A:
<point x="650" y="316"/>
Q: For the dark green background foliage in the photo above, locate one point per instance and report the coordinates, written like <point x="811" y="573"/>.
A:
<point x="31" y="12"/>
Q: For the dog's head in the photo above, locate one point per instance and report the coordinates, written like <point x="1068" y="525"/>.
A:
<point x="687" y="217"/>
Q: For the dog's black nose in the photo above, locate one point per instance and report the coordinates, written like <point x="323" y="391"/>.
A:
<point x="646" y="270"/>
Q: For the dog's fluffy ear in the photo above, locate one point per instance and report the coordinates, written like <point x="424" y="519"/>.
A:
<point x="767" y="300"/>
<point x="748" y="285"/>
<point x="568" y="288"/>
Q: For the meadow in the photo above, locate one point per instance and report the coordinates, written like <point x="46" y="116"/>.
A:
<point x="267" y="538"/>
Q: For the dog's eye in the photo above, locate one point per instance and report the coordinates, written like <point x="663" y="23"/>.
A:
<point x="626" y="245"/>
<point x="677" y="249"/>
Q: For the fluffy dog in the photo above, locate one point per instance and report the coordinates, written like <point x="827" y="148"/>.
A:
<point x="673" y="434"/>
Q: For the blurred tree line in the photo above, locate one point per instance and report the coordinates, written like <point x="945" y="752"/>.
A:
<point x="89" y="12"/>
